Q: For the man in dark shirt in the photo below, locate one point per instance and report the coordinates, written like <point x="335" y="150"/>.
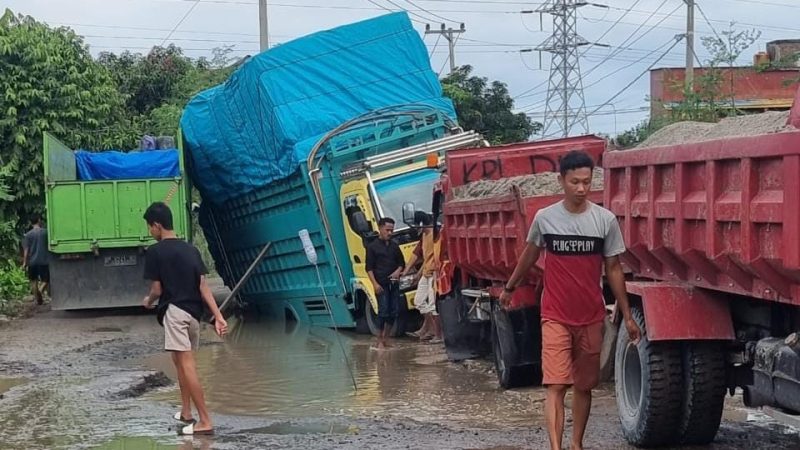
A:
<point x="177" y="273"/>
<point x="36" y="258"/>
<point x="384" y="264"/>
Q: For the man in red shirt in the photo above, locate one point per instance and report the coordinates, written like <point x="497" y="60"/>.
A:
<point x="579" y="239"/>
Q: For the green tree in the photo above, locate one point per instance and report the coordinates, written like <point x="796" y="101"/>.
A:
<point x="147" y="81"/>
<point x="158" y="85"/>
<point x="725" y="49"/>
<point x="487" y="108"/>
<point x="49" y="82"/>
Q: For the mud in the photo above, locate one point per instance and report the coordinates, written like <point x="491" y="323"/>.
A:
<point x="280" y="386"/>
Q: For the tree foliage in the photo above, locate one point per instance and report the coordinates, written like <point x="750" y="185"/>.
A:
<point x="49" y="82"/>
<point x="487" y="108"/>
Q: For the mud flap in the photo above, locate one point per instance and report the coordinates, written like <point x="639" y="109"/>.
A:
<point x="463" y="338"/>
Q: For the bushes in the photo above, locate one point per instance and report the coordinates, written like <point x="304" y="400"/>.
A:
<point x="13" y="288"/>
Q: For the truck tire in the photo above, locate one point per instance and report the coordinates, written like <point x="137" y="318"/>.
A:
<point x="510" y="373"/>
<point x="608" y="351"/>
<point x="372" y="319"/>
<point x="398" y="328"/>
<point x="649" y="387"/>
<point x="362" y="327"/>
<point x="704" y="387"/>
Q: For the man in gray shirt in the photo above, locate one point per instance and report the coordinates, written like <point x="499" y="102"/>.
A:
<point x="36" y="258"/>
<point x="579" y="239"/>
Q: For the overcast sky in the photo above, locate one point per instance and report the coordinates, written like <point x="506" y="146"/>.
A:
<point x="639" y="32"/>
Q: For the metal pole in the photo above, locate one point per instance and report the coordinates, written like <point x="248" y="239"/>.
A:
<point x="452" y="50"/>
<point x="689" y="44"/>
<point x="246" y="276"/>
<point x="263" y="25"/>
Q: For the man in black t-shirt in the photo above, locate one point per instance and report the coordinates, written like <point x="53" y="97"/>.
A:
<point x="384" y="264"/>
<point x="178" y="282"/>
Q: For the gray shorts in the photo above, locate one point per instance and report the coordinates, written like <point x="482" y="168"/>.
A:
<point x="181" y="330"/>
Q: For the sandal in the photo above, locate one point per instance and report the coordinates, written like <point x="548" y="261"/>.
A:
<point x="180" y="418"/>
<point x="189" y="430"/>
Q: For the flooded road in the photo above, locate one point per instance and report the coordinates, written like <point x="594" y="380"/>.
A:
<point x="295" y="371"/>
<point x="101" y="381"/>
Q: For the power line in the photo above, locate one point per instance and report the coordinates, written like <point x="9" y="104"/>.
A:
<point x="194" y="5"/>
<point x="582" y="54"/>
<point x="705" y="17"/>
<point x="677" y="40"/>
<point x="436" y="44"/>
<point x="431" y="13"/>
<point x="621" y="48"/>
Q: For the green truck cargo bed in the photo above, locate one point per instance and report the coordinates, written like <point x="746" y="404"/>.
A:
<point x="86" y="216"/>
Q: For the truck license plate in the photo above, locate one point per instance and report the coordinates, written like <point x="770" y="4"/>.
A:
<point x="118" y="261"/>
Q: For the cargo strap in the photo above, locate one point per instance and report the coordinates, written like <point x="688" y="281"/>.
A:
<point x="172" y="192"/>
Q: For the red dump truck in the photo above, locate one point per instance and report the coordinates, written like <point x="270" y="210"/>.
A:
<point x="482" y="239"/>
<point x="713" y="236"/>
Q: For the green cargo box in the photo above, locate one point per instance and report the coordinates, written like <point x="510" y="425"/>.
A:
<point x="97" y="237"/>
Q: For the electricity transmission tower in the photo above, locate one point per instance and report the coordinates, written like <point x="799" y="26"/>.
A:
<point x="565" y="112"/>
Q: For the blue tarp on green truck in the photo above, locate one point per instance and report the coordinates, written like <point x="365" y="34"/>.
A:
<point x="263" y="122"/>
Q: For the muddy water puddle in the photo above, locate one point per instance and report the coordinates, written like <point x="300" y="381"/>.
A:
<point x="7" y="383"/>
<point x="294" y="371"/>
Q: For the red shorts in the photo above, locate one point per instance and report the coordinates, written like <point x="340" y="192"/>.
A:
<point x="571" y="354"/>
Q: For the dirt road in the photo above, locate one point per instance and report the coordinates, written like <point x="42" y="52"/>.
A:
<point x="82" y="380"/>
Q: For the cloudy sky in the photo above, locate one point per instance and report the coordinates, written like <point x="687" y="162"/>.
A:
<point x="638" y="33"/>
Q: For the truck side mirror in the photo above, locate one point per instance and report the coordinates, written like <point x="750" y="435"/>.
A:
<point x="409" y="214"/>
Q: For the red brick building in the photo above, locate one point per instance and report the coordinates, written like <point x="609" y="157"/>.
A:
<point x="771" y="86"/>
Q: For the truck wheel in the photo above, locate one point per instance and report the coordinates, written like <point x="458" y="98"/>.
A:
<point x="510" y="373"/>
<point x="649" y="386"/>
<point x="608" y="351"/>
<point x="362" y="327"/>
<point x="372" y="319"/>
<point x="703" y="392"/>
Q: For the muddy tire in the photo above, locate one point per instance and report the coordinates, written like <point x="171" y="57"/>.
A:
<point x="649" y="388"/>
<point x="371" y="319"/>
<point x="510" y="372"/>
<point x="703" y="392"/>
<point x="362" y="327"/>
<point x="608" y="351"/>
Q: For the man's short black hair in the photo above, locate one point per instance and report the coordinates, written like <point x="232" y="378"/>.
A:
<point x="576" y="159"/>
<point x="159" y="213"/>
<point x="384" y="220"/>
<point x="422" y="218"/>
<point x="36" y="218"/>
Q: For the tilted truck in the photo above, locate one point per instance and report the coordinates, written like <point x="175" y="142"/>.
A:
<point x="327" y="133"/>
<point x="97" y="236"/>
<point x="484" y="233"/>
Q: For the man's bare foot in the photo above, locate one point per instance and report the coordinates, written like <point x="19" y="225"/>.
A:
<point x="576" y="446"/>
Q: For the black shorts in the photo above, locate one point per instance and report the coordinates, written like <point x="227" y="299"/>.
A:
<point x="39" y="273"/>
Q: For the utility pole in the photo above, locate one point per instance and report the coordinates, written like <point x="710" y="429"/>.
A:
<point x="263" y="25"/>
<point x="566" y="107"/>
<point x="448" y="34"/>
<point x="689" y="44"/>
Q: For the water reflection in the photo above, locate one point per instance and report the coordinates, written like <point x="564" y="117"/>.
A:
<point x="292" y="370"/>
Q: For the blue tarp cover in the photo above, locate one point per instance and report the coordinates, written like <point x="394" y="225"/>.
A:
<point x="260" y="124"/>
<point x="114" y="165"/>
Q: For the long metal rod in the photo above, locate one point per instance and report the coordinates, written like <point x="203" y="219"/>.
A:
<point x="336" y="329"/>
<point x="246" y="276"/>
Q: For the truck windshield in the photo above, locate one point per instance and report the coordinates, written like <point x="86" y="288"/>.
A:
<point x="415" y="187"/>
